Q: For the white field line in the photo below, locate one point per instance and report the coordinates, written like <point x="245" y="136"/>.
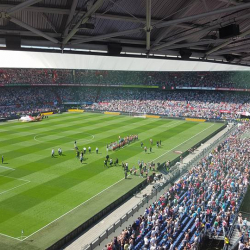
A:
<point x="14" y="187"/>
<point x="183" y="142"/>
<point x="11" y="237"/>
<point x="1" y="166"/>
<point x="104" y="189"/>
<point x="14" y="178"/>
<point x="26" y="182"/>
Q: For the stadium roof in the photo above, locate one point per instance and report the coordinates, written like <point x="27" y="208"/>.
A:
<point x="27" y="59"/>
<point x="184" y="29"/>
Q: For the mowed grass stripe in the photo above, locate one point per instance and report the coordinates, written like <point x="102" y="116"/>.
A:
<point x="79" y="189"/>
<point x="45" y="161"/>
<point x="20" y="141"/>
<point x="83" y="213"/>
<point x="54" y="119"/>
<point x="18" y="126"/>
<point x="36" y="146"/>
<point x="60" y="165"/>
<point x="63" y="165"/>
<point x="49" y="189"/>
<point x="34" y="128"/>
<point x="7" y="183"/>
<point x="54" y="128"/>
<point x="41" y="164"/>
<point x="33" y="217"/>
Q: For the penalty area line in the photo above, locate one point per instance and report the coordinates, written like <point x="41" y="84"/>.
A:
<point x="6" y="235"/>
<point x="1" y="166"/>
<point x="5" y="191"/>
<point x="14" y="178"/>
<point x="14" y="188"/>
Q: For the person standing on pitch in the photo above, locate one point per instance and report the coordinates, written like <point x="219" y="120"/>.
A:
<point x="59" y="151"/>
<point x="105" y="163"/>
<point x="96" y="150"/>
<point x="116" y="161"/>
<point x="2" y="159"/>
<point x="89" y="149"/>
<point x="84" y="150"/>
<point x="77" y="154"/>
<point x="126" y="170"/>
<point x="52" y="153"/>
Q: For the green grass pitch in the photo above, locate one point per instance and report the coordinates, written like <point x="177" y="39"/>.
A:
<point x="48" y="197"/>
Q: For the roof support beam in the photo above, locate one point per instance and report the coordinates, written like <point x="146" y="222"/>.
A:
<point x="227" y="43"/>
<point x="234" y="2"/>
<point x="244" y="57"/>
<point x="189" y="45"/>
<point x="167" y="30"/>
<point x="185" y="37"/>
<point x="97" y="15"/>
<point x="83" y="20"/>
<point x="236" y="48"/>
<point x="58" y="35"/>
<point x="196" y="33"/>
<point x="36" y="31"/>
<point x="49" y="22"/>
<point x="102" y="37"/>
<point x="22" y="6"/>
<point x="148" y="24"/>
<point x="174" y="22"/>
<point x="70" y="17"/>
<point x="206" y="14"/>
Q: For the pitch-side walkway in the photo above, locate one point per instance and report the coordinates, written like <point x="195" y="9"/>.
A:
<point x="89" y="236"/>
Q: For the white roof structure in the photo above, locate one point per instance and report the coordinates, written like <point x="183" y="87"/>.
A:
<point x="23" y="59"/>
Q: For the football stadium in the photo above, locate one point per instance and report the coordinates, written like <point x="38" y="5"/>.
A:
<point x="124" y="125"/>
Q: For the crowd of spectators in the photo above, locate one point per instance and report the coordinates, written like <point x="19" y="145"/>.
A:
<point x="202" y="104"/>
<point x="238" y="79"/>
<point x="81" y="94"/>
<point x="26" y="100"/>
<point x="183" y="103"/>
<point x="35" y="76"/>
<point x="204" y="200"/>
